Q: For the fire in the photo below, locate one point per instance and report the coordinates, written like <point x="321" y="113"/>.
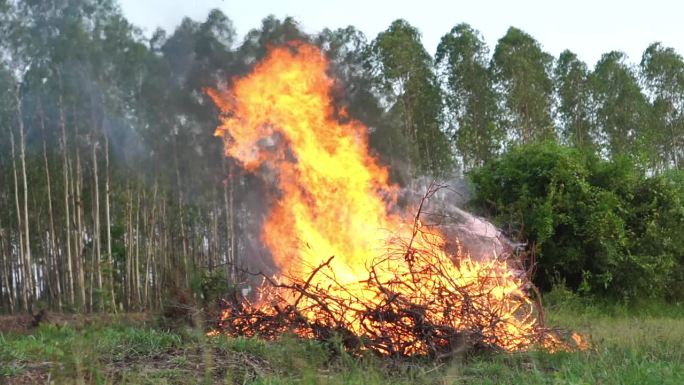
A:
<point x="331" y="188"/>
<point x="347" y="264"/>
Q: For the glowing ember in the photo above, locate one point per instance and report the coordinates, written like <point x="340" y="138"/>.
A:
<point x="348" y="266"/>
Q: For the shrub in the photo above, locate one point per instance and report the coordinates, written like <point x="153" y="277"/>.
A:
<point x="602" y="227"/>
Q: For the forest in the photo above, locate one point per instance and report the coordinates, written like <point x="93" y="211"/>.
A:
<point x="131" y="222"/>
<point x="114" y="191"/>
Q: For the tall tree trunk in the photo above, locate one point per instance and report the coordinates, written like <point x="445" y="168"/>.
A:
<point x="67" y="212"/>
<point x="7" y="268"/>
<point x="78" y="197"/>
<point x="20" y="231"/>
<point x="52" y="248"/>
<point x="162" y="254"/>
<point x="138" y="238"/>
<point x="44" y="288"/>
<point x="128" y="281"/>
<point x="229" y="212"/>
<point x="151" y="237"/>
<point x="96" y="225"/>
<point x="27" y="234"/>
<point x="110" y="258"/>
<point x="183" y="231"/>
<point x="214" y="237"/>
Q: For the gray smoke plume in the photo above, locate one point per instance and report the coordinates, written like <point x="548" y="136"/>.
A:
<point x="445" y="210"/>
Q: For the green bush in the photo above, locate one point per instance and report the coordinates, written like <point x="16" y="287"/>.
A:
<point x="602" y="227"/>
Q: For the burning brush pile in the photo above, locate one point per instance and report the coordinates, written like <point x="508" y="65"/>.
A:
<point x="351" y="264"/>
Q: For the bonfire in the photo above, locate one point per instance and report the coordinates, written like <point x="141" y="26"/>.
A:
<point x="351" y="265"/>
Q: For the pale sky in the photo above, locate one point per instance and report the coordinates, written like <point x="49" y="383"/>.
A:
<point x="586" y="27"/>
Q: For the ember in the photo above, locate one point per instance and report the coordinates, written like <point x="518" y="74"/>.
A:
<point x="350" y="266"/>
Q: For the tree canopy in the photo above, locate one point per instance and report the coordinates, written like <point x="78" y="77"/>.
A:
<point x="114" y="191"/>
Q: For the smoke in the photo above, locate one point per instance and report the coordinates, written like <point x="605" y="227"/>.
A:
<point x="254" y="202"/>
<point x="445" y="210"/>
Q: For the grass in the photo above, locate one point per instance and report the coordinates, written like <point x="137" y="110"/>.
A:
<point x="631" y="345"/>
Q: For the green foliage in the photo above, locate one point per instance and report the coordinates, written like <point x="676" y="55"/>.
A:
<point x="404" y="74"/>
<point x="571" y="78"/>
<point x="663" y="72"/>
<point x="470" y="97"/>
<point x="622" y="110"/>
<point x="126" y="342"/>
<point x="600" y="227"/>
<point x="562" y="299"/>
<point x="210" y="285"/>
<point x="522" y="72"/>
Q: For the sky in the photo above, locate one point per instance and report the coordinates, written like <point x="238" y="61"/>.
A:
<point x="587" y="27"/>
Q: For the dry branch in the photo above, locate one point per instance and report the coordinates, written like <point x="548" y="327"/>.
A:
<point x="421" y="303"/>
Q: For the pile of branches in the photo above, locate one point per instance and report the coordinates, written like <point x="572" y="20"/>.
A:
<point x="416" y="301"/>
<point x="421" y="311"/>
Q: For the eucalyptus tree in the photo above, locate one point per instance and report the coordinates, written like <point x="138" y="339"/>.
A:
<point x="49" y="38"/>
<point x="201" y="168"/>
<point x="16" y="57"/>
<point x="462" y="56"/>
<point x="662" y="71"/>
<point x="406" y="81"/>
<point x="522" y="75"/>
<point x="622" y="111"/>
<point x="571" y="77"/>
<point x="14" y="279"/>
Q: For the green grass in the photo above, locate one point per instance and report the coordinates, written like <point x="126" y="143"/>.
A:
<point x="631" y="345"/>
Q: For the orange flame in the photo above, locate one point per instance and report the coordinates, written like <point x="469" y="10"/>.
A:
<point x="333" y="201"/>
<point x="331" y="189"/>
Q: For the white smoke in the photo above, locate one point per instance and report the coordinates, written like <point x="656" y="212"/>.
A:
<point x="445" y="210"/>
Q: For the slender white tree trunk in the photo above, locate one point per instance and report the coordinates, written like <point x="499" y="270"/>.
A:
<point x="80" y="257"/>
<point x="53" y="263"/>
<point x="67" y="212"/>
<point x="96" y="225"/>
<point x="27" y="234"/>
<point x="110" y="258"/>
<point x="23" y="271"/>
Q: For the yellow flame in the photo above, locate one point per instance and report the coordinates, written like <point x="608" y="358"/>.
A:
<point x="333" y="201"/>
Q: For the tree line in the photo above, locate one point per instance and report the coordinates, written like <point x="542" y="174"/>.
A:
<point x="114" y="193"/>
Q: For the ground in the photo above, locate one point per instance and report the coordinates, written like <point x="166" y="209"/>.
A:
<point x="631" y="345"/>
